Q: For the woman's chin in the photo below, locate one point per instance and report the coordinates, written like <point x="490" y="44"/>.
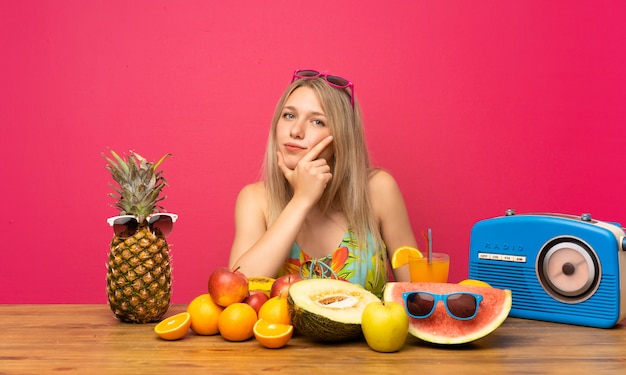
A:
<point x="291" y="161"/>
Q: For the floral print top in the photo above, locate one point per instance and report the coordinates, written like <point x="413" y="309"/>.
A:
<point x="348" y="262"/>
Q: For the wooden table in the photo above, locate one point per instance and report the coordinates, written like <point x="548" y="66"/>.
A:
<point x="87" y="339"/>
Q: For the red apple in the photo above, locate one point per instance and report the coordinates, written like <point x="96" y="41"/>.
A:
<point x="256" y="299"/>
<point x="282" y="284"/>
<point x="228" y="286"/>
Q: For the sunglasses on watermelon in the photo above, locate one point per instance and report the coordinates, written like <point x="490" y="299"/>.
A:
<point x="459" y="305"/>
<point x="334" y="81"/>
<point x="126" y="226"/>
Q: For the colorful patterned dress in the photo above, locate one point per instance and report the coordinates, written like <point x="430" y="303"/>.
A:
<point x="345" y="263"/>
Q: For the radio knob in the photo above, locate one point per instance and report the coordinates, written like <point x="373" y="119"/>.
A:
<point x="568" y="269"/>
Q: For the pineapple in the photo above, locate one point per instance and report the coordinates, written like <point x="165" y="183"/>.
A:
<point x="139" y="273"/>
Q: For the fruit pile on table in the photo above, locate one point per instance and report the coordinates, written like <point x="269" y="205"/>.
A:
<point x="239" y="308"/>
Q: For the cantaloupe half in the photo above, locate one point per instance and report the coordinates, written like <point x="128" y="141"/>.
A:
<point x="328" y="310"/>
<point x="441" y="328"/>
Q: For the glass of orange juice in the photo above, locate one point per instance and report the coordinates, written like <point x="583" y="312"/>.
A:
<point x="436" y="270"/>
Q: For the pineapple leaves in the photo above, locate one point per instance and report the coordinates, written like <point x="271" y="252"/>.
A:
<point x="161" y="161"/>
<point x="121" y="162"/>
<point x="139" y="184"/>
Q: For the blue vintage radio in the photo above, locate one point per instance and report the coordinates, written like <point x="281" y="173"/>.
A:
<point x="559" y="268"/>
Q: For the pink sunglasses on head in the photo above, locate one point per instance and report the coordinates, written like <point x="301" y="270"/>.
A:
<point x="334" y="81"/>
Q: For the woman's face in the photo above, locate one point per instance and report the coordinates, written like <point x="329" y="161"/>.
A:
<point x="301" y="126"/>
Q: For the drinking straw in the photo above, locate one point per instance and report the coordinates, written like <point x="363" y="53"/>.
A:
<point x="430" y="245"/>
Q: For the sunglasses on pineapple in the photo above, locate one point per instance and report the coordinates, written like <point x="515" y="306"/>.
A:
<point x="334" y="81"/>
<point x="460" y="305"/>
<point x="125" y="226"/>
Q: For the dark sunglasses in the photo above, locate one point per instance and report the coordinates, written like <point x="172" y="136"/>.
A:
<point x="461" y="305"/>
<point x="126" y="225"/>
<point x="334" y="81"/>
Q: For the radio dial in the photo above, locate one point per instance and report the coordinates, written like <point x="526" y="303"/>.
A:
<point x="568" y="270"/>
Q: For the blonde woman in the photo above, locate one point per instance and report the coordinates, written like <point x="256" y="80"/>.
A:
<point x="321" y="209"/>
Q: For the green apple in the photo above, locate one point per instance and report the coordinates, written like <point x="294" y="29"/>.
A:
<point x="385" y="326"/>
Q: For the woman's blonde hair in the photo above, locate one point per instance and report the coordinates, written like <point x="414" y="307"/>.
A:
<point x="348" y="190"/>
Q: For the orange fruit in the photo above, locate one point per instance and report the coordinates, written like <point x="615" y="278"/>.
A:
<point x="276" y="310"/>
<point x="402" y="255"/>
<point x="236" y="322"/>
<point x="475" y="283"/>
<point x="175" y="327"/>
<point x="204" y="314"/>
<point x="272" y="335"/>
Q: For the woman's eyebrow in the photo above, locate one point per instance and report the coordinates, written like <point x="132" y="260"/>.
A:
<point x="294" y="109"/>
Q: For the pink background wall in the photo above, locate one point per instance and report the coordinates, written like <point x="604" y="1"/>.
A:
<point x="474" y="106"/>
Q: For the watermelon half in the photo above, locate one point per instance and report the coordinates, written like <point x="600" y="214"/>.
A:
<point x="441" y="328"/>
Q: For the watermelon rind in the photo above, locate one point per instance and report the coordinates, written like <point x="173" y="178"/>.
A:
<point x="440" y="328"/>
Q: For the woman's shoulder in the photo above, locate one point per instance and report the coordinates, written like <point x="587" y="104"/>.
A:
<point x="386" y="197"/>
<point x="253" y="192"/>
<point x="381" y="181"/>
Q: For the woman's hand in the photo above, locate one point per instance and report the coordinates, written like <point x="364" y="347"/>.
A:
<point x="311" y="175"/>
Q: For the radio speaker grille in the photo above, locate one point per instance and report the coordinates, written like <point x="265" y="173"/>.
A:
<point x="528" y="295"/>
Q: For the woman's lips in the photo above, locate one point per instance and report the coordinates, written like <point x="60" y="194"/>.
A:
<point x="293" y="147"/>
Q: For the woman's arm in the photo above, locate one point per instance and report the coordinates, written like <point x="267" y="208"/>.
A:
<point x="388" y="205"/>
<point x="258" y="250"/>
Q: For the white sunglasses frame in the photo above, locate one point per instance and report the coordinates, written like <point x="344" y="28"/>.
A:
<point x="111" y="220"/>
